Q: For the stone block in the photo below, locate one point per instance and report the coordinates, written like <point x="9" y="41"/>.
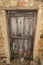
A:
<point x="1" y="36"/>
<point x="1" y="54"/>
<point x="0" y="27"/>
<point x="0" y="33"/>
<point x="1" y="4"/>
<point x="41" y="42"/>
<point x="6" y="3"/>
<point x="13" y="3"/>
<point x="1" y="40"/>
<point x="0" y="23"/>
<point x="1" y="43"/>
<point x="1" y="50"/>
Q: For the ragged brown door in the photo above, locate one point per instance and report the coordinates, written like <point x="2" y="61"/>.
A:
<point x="22" y="25"/>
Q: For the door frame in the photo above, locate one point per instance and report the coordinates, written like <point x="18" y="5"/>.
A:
<point x="6" y="36"/>
<point x="35" y="26"/>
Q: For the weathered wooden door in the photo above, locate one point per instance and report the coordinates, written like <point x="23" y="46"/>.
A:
<point x="22" y="25"/>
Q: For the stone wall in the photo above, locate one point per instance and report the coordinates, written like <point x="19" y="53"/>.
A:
<point x="12" y="4"/>
<point x="38" y="31"/>
<point x="2" y="53"/>
<point x="4" y="38"/>
<point x="4" y="41"/>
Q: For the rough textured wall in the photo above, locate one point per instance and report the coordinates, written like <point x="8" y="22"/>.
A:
<point x="4" y="43"/>
<point x="2" y="51"/>
<point x="10" y="3"/>
<point x="38" y="31"/>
